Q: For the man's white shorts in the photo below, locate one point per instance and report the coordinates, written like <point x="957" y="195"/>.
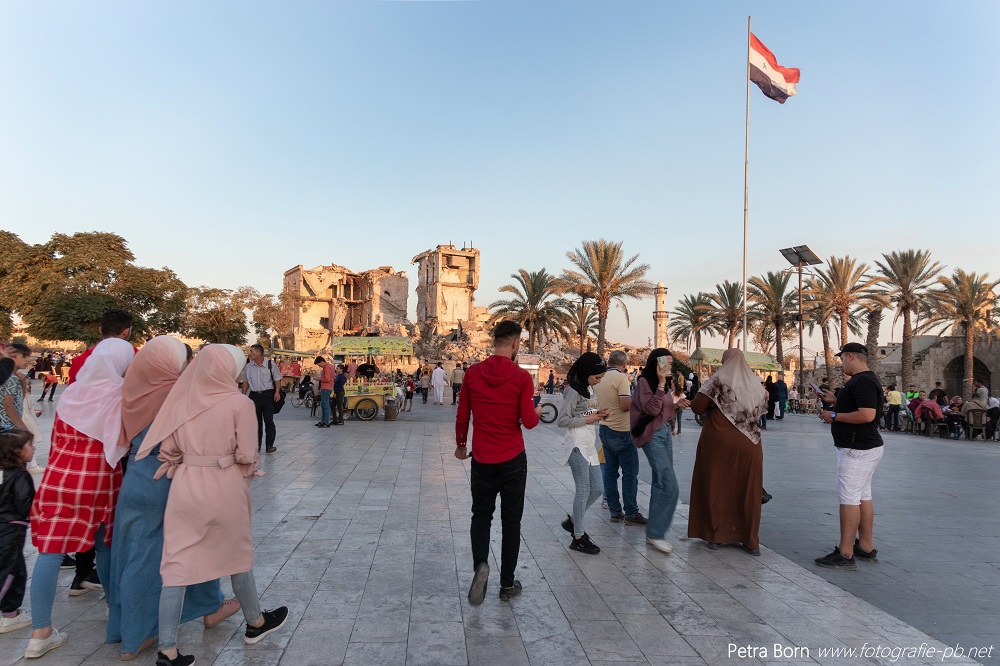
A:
<point x="855" y="469"/>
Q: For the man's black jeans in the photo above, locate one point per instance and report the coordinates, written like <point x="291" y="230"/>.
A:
<point x="506" y="479"/>
<point x="263" y="402"/>
<point x="338" y="407"/>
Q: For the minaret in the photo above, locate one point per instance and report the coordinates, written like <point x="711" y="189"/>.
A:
<point x="660" y="317"/>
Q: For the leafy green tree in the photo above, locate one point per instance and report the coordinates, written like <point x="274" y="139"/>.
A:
<point x="216" y="315"/>
<point x="582" y="320"/>
<point x="968" y="303"/>
<point x="605" y="275"/>
<point x="534" y="305"/>
<point x="909" y="276"/>
<point x="690" y="318"/>
<point x="60" y="288"/>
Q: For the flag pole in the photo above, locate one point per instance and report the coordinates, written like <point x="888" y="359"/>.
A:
<point x="746" y="190"/>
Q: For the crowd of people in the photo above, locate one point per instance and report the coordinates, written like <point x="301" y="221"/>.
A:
<point x="153" y="452"/>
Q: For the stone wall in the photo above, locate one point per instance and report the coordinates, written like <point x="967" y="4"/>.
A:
<point x="447" y="279"/>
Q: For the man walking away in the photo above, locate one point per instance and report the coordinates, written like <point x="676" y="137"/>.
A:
<point x="895" y="399"/>
<point x="437" y="383"/>
<point x="456" y="382"/>
<point x="614" y="394"/>
<point x="854" y="420"/>
<point x="498" y="398"/>
<point x="262" y="382"/>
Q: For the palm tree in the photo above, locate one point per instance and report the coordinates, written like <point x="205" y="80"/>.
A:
<point x="605" y="276"/>
<point x="969" y="304"/>
<point x="817" y="304"/>
<point x="908" y="276"/>
<point x="689" y="318"/>
<point x="847" y="286"/>
<point x="725" y="313"/>
<point x="773" y="302"/>
<point x="581" y="319"/>
<point x="534" y="306"/>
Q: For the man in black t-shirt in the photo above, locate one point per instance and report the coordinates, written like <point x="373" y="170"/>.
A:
<point x="854" y="423"/>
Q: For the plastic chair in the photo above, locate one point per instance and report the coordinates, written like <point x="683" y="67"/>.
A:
<point x="975" y="420"/>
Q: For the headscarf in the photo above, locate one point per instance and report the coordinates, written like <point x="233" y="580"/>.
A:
<point x="588" y="365"/>
<point x="93" y="403"/>
<point x="649" y="371"/>
<point x="738" y="394"/>
<point x="955" y="404"/>
<point x="209" y="380"/>
<point x="148" y="381"/>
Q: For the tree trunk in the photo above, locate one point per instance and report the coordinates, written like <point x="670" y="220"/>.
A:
<point x="874" y="324"/>
<point x="732" y="337"/>
<point x="777" y="344"/>
<point x="843" y="326"/>
<point x="697" y="339"/>
<point x="828" y="357"/>
<point x="907" y="352"/>
<point x="602" y="327"/>
<point x="581" y="342"/>
<point x="970" y="359"/>
<point x="531" y="339"/>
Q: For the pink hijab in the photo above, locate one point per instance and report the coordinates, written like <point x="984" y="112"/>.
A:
<point x="209" y="380"/>
<point x="148" y="381"/>
<point x="93" y="403"/>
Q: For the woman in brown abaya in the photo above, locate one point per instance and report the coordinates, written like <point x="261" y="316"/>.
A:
<point x="728" y="474"/>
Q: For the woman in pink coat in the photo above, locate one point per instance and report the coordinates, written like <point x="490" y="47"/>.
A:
<point x="207" y="431"/>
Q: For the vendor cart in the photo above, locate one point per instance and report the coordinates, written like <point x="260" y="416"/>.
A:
<point x="366" y="396"/>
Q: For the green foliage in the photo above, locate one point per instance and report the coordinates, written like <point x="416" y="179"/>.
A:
<point x="61" y="287"/>
<point x="216" y="315"/>
<point x="533" y="305"/>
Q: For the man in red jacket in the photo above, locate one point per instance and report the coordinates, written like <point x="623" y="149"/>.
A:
<point x="499" y="396"/>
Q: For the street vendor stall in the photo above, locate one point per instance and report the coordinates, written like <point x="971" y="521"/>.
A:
<point x="706" y="360"/>
<point x="366" y="396"/>
<point x="289" y="363"/>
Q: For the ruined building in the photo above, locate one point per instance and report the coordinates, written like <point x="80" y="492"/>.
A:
<point x="446" y="285"/>
<point x="333" y="300"/>
<point x="661" y="334"/>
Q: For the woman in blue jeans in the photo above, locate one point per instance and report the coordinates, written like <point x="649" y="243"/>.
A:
<point x="650" y="414"/>
<point x="579" y="416"/>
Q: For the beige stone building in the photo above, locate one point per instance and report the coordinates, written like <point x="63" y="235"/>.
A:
<point x="333" y="300"/>
<point x="661" y="318"/>
<point x="447" y="278"/>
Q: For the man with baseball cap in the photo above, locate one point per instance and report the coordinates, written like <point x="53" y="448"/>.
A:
<point x="855" y="418"/>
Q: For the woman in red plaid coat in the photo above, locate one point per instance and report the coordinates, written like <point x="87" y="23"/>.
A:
<point x="74" y="506"/>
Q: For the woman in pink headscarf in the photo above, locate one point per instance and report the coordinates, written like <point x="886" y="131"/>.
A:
<point x="207" y="434"/>
<point x="728" y="479"/>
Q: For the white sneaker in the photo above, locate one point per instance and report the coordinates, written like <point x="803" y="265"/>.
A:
<point x="661" y="545"/>
<point x="39" y="646"/>
<point x="22" y="619"/>
<point x="604" y="503"/>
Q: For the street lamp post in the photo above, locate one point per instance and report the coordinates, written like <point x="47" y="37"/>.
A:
<point x="798" y="257"/>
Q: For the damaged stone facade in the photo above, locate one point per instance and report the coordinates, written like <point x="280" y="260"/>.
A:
<point x="447" y="278"/>
<point x="333" y="300"/>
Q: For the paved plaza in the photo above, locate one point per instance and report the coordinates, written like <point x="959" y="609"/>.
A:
<point x="363" y="532"/>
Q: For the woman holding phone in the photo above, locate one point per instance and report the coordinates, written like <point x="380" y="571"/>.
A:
<point x="650" y="414"/>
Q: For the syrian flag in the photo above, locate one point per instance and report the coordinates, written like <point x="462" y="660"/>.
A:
<point x="775" y="81"/>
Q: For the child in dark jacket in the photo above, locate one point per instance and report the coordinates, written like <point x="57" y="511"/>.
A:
<point x="17" y="491"/>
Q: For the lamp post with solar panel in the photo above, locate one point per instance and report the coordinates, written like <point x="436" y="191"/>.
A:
<point x="798" y="257"/>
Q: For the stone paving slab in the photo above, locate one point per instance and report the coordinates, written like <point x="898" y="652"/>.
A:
<point x="362" y="531"/>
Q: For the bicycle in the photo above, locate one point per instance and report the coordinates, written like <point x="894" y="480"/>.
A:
<point x="309" y="400"/>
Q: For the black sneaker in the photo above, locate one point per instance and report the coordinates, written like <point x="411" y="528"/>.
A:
<point x="322" y="425"/>
<point x="508" y="593"/>
<point x="477" y="591"/>
<point x="273" y="620"/>
<point x="179" y="660"/>
<point x="837" y="561"/>
<point x="584" y="545"/>
<point x="568" y="524"/>
<point x="68" y="562"/>
<point x="865" y="555"/>
<point x="617" y="517"/>
<point x="92" y="581"/>
<point x="637" y="519"/>
<point x="77" y="588"/>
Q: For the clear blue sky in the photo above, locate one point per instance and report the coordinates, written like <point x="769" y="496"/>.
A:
<point x="233" y="140"/>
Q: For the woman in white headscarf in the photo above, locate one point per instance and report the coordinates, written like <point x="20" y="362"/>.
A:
<point x="74" y="507"/>
<point x="728" y="478"/>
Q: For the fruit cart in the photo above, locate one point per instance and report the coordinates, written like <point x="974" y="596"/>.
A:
<point x="365" y="397"/>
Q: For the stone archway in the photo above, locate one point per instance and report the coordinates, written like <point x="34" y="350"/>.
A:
<point x="954" y="373"/>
